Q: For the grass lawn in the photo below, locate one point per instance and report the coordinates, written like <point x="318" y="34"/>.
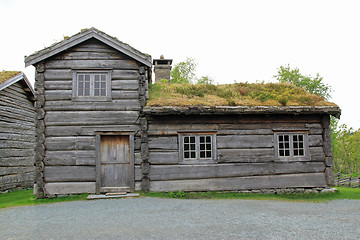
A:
<point x="25" y="197"/>
<point x="342" y="193"/>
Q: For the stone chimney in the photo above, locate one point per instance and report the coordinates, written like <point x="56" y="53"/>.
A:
<point x="162" y="68"/>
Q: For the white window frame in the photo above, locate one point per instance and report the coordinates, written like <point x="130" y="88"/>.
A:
<point x="197" y="159"/>
<point x="292" y="157"/>
<point x="91" y="97"/>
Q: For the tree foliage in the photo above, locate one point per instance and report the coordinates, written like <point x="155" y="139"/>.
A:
<point x="311" y="84"/>
<point x="184" y="72"/>
<point x="346" y="148"/>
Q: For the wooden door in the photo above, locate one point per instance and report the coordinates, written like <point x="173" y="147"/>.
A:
<point x="115" y="164"/>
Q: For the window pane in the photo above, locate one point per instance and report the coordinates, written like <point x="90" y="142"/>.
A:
<point x="208" y="154"/>
<point x="186" y="147"/>
<point x="96" y="92"/>
<point x="202" y="154"/>
<point x="281" y="152"/>
<point x="192" y="154"/>
<point x="186" y="139"/>
<point x="208" y="146"/>
<point x="186" y="155"/>
<point x="298" y="145"/>
<point x="192" y="146"/>
<point x="284" y="145"/>
<point x="202" y="146"/>
<point x="192" y="139"/>
<point x="202" y="139"/>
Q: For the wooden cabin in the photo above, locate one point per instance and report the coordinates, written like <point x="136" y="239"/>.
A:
<point x="95" y="134"/>
<point x="265" y="149"/>
<point x="90" y="91"/>
<point x="17" y="131"/>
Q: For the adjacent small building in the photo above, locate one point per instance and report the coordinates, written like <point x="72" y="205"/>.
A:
<point x="17" y="131"/>
<point x="95" y="133"/>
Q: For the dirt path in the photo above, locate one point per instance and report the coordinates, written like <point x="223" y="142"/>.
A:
<point x="152" y="218"/>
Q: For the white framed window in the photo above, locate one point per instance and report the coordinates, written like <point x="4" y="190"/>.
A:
<point x="92" y="85"/>
<point x="291" y="145"/>
<point x="197" y="147"/>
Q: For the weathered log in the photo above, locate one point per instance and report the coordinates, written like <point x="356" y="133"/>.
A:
<point x="242" y="183"/>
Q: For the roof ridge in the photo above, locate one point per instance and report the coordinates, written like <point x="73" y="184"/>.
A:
<point x="82" y="36"/>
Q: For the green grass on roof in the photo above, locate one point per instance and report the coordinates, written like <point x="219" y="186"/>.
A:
<point x="5" y="75"/>
<point x="237" y="94"/>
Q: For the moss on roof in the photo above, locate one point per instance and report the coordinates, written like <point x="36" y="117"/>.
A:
<point x="5" y="75"/>
<point x="237" y="94"/>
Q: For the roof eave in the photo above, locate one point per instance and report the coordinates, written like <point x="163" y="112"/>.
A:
<point x="205" y="110"/>
<point x="21" y="76"/>
<point x="81" y="37"/>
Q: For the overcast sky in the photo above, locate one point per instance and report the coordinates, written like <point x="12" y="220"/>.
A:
<point x="230" y="40"/>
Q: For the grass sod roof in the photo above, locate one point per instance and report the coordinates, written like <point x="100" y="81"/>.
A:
<point x="6" y="75"/>
<point x="237" y="97"/>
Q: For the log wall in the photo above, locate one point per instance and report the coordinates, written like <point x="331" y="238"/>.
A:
<point x="245" y="153"/>
<point x="68" y="161"/>
<point x="17" y="138"/>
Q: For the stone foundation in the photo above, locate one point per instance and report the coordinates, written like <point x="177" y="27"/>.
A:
<point x="289" y="190"/>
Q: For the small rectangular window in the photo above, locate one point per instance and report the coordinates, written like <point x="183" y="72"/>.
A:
<point x="197" y="147"/>
<point x="291" y="145"/>
<point x="91" y="85"/>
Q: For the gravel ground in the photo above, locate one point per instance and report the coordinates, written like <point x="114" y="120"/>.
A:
<point x="153" y="218"/>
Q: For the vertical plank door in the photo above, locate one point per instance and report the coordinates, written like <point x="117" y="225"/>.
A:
<point x="115" y="164"/>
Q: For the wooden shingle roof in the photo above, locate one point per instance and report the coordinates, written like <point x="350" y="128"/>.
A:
<point x="83" y="36"/>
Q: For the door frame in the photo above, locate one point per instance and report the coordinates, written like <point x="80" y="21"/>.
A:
<point x="98" y="158"/>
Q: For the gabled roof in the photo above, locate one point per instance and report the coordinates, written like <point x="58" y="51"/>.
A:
<point x="7" y="78"/>
<point x="83" y="36"/>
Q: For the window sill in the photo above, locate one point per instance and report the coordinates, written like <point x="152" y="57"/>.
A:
<point x="292" y="159"/>
<point x="91" y="99"/>
<point x="197" y="161"/>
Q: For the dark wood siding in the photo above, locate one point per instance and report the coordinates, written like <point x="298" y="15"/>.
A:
<point x="71" y="126"/>
<point x="17" y="138"/>
<point x="245" y="153"/>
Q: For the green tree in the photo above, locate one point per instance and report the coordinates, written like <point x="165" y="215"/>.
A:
<point x="346" y="148"/>
<point x="311" y="84"/>
<point x="205" y="80"/>
<point x="184" y="72"/>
